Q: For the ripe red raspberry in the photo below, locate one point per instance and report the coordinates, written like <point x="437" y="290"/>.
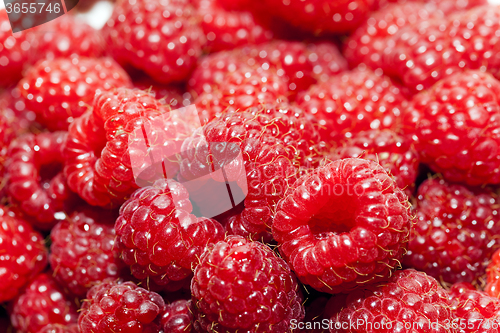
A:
<point x="178" y="317"/>
<point x="60" y="90"/>
<point x="169" y="42"/>
<point x="226" y="30"/>
<point x="455" y="126"/>
<point x="14" y="108"/>
<point x="23" y="254"/>
<point x="36" y="185"/>
<point x="475" y="311"/>
<point x="57" y="328"/>
<point x="268" y="166"/>
<point x="98" y="165"/>
<point x="81" y="253"/>
<point x="241" y="285"/>
<point x="391" y="150"/>
<point x="432" y="50"/>
<point x="343" y="225"/>
<point x="14" y="51"/>
<point x="43" y="302"/>
<point x="120" y="307"/>
<point x="64" y="37"/>
<point x="241" y="89"/>
<point x="368" y="43"/>
<point x="322" y="16"/>
<point x="159" y="238"/>
<point x="493" y="278"/>
<point x="352" y="102"/>
<point x="7" y="134"/>
<point x="410" y="301"/>
<point x="298" y="64"/>
<point x="455" y="232"/>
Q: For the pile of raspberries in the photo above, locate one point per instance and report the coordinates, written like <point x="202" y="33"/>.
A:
<point x="238" y="166"/>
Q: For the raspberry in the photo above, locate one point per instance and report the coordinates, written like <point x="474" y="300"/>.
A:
<point x="82" y="250"/>
<point x="159" y="237"/>
<point x="64" y="37"/>
<point x="98" y="164"/>
<point x="298" y="64"/>
<point x="56" y="328"/>
<point x="177" y="317"/>
<point x="322" y="16"/>
<point x="455" y="126"/>
<point x="121" y="307"/>
<point x="455" y="232"/>
<point x="226" y="30"/>
<point x="7" y="133"/>
<point x="478" y="311"/>
<point x="344" y="225"/>
<point x="368" y="43"/>
<point x="14" y="51"/>
<point x="60" y="90"/>
<point x="36" y="185"/>
<point x="493" y="270"/>
<point x="268" y="166"/>
<point x="352" y="102"/>
<point x="23" y="254"/>
<point x="23" y="120"/>
<point x="170" y="41"/>
<point x="241" y="285"/>
<point x="432" y="50"/>
<point x="391" y="150"/>
<point x="242" y="89"/>
<point x="410" y="301"/>
<point x="42" y="303"/>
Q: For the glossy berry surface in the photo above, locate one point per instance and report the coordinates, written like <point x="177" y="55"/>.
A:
<point x="368" y="43"/>
<point x="159" y="238"/>
<point x="226" y="30"/>
<point x="256" y="161"/>
<point x="116" y="306"/>
<point x="57" y="328"/>
<point x="243" y="285"/>
<point x="178" y="317"/>
<point x="353" y="101"/>
<point x="322" y="16"/>
<point x="36" y="185"/>
<point x="161" y="38"/>
<point x="493" y="277"/>
<point x="98" y="162"/>
<point x="65" y="37"/>
<point x="43" y="302"/>
<point x="23" y="254"/>
<point x="408" y="299"/>
<point x="391" y="150"/>
<point x="454" y="125"/>
<point x="480" y="312"/>
<point x="60" y="90"/>
<point x="81" y="253"/>
<point x="343" y="225"/>
<point x="455" y="232"/>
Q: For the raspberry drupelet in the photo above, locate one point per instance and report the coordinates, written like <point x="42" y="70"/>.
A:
<point x="343" y="226"/>
<point x="241" y="285"/>
<point x="493" y="277"/>
<point x="178" y="317"/>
